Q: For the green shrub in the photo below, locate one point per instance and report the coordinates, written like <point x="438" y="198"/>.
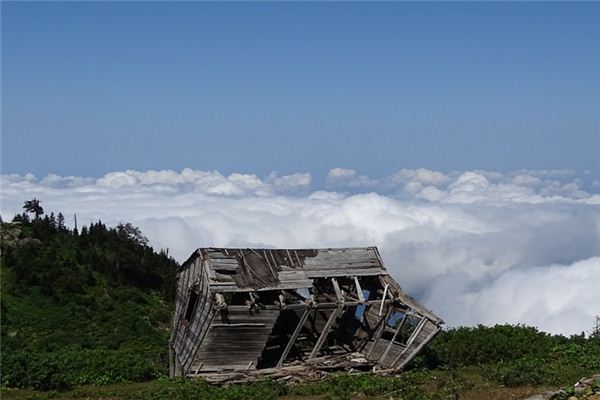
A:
<point x="62" y="369"/>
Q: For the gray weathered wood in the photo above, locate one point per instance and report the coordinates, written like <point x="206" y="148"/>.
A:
<point x="230" y="341"/>
<point x="332" y="317"/>
<point x="292" y="340"/>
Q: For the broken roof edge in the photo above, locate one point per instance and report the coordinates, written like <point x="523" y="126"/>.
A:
<point x="189" y="260"/>
<point x="412" y="303"/>
<point x="402" y="295"/>
<point x="198" y="251"/>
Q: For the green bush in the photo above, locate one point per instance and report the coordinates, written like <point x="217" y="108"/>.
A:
<point x="62" y="369"/>
<point x="513" y="355"/>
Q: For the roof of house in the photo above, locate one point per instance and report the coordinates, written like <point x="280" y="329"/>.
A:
<point x="245" y="270"/>
<point x="232" y="269"/>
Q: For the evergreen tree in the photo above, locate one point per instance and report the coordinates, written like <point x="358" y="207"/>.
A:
<point x="34" y="206"/>
<point x="52" y="221"/>
<point x="60" y="222"/>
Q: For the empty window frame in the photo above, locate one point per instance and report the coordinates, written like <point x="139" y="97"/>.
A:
<point x="192" y="303"/>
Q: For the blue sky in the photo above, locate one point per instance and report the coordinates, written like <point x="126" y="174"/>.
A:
<point x="89" y="88"/>
<point x="412" y="100"/>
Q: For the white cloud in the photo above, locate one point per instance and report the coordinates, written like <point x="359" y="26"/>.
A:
<point x="341" y="173"/>
<point x="475" y="246"/>
<point x="421" y="175"/>
<point x="290" y="182"/>
<point x="337" y="177"/>
<point x="558" y="298"/>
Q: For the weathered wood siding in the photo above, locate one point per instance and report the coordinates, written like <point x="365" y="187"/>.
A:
<point x="237" y="344"/>
<point x="188" y="336"/>
<point x="343" y="262"/>
<point x="380" y="348"/>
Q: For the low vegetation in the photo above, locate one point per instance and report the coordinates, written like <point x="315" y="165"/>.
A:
<point x="82" y="307"/>
<point x="514" y="355"/>
<point x="93" y="307"/>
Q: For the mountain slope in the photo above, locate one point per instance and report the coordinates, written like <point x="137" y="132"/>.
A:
<point x="89" y="307"/>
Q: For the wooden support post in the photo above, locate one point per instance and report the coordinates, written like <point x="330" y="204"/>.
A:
<point x="383" y="298"/>
<point x="361" y="295"/>
<point x="338" y="292"/>
<point x="332" y="317"/>
<point x="290" y="343"/>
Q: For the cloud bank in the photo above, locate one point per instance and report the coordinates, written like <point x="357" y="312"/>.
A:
<point x="474" y="246"/>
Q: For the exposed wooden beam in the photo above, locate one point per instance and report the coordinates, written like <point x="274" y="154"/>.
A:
<point x="361" y="295"/>
<point x="292" y="340"/>
<point x="269" y="263"/>
<point x="332" y="317"/>
<point x="289" y="256"/>
<point x="383" y="298"/>
<point x="338" y="292"/>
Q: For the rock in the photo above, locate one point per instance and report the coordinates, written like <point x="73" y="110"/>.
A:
<point x="14" y="232"/>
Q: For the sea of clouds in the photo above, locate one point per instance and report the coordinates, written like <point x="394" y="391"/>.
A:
<point x="474" y="246"/>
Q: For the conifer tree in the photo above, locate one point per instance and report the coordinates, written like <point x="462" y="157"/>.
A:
<point x="60" y="222"/>
<point x="34" y="206"/>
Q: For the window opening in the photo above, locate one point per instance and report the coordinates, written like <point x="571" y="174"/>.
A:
<point x="191" y="306"/>
<point x="406" y="330"/>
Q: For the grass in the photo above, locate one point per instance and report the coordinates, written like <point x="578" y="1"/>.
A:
<point x="465" y="383"/>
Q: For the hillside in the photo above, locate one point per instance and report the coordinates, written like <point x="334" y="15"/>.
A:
<point x="82" y="307"/>
<point x="94" y="307"/>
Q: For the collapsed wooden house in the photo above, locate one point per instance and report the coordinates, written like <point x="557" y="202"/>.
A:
<point x="265" y="312"/>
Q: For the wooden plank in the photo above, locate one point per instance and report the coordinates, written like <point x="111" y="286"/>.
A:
<point x="338" y="292"/>
<point x="385" y="290"/>
<point x="343" y="272"/>
<point x="332" y="318"/>
<point x="201" y="315"/>
<point x="290" y="343"/>
<point x="269" y="263"/>
<point x="361" y="295"/>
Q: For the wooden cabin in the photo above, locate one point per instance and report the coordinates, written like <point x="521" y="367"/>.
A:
<point x="268" y="312"/>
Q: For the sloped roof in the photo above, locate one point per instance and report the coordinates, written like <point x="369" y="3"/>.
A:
<point x="235" y="269"/>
